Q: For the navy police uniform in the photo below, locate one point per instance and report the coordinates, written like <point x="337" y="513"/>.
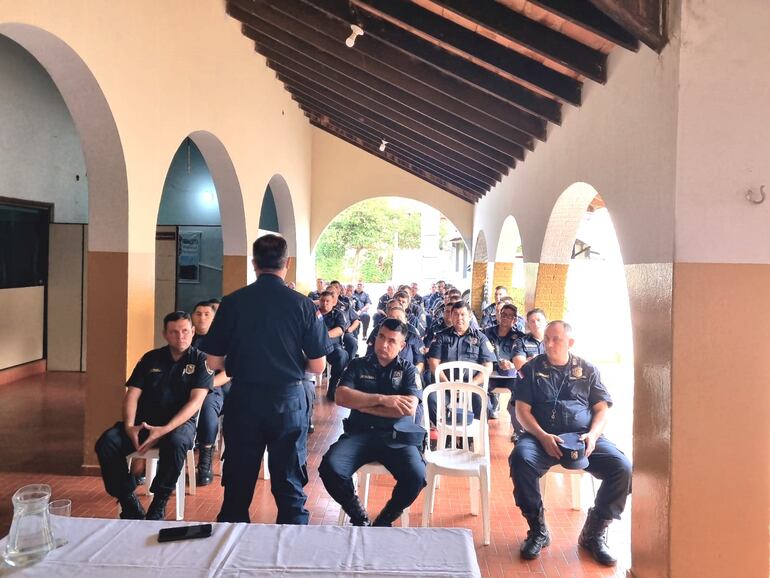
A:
<point x="412" y="351"/>
<point x="369" y="438"/>
<point x="363" y="300"/>
<point x="504" y="351"/>
<point x="562" y="399"/>
<point x="381" y="305"/>
<point x="166" y="385"/>
<point x="472" y="346"/>
<point x="489" y="318"/>
<point x="266" y="331"/>
<point x="528" y="347"/>
<point x="349" y="340"/>
<point x="338" y="358"/>
<point x="208" y="422"/>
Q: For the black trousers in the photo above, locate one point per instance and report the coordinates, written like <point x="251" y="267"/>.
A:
<point x="338" y="360"/>
<point x="277" y="419"/>
<point x="365" y="319"/>
<point x="529" y="463"/>
<point x="114" y="445"/>
<point x="350" y="341"/>
<point x="354" y="450"/>
<point x="208" y="422"/>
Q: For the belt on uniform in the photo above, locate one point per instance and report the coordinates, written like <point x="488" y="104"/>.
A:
<point x="265" y="388"/>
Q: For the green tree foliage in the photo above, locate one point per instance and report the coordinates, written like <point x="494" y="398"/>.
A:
<point x="359" y="242"/>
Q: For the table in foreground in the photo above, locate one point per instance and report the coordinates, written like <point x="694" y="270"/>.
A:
<point x="100" y="548"/>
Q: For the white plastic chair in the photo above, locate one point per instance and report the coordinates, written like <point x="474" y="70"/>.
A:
<point x="367" y="471"/>
<point x="575" y="477"/>
<point x="461" y="372"/>
<point x="151" y="456"/>
<point x="452" y="461"/>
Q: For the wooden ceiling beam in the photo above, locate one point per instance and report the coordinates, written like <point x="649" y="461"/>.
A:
<point x="537" y="37"/>
<point x="589" y="17"/>
<point x="428" y="149"/>
<point x="398" y="112"/>
<point x="446" y="171"/>
<point x="400" y="124"/>
<point x="299" y="18"/>
<point x="400" y="163"/>
<point x="645" y="19"/>
<point x="411" y="46"/>
<point x="394" y="84"/>
<point x="435" y="116"/>
<point x="523" y="68"/>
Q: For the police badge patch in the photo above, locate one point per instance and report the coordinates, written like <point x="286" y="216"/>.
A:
<point x="573" y="455"/>
<point x="577" y="372"/>
<point x="189" y="369"/>
<point x="397" y="377"/>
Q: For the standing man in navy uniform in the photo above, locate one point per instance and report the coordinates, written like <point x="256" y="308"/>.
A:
<point x="266" y="336"/>
<point x="560" y="395"/>
<point x="163" y="394"/>
<point x="382" y="392"/>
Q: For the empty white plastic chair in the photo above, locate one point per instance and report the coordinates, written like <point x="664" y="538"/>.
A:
<point x="460" y="372"/>
<point x="456" y="458"/>
<point x="151" y="456"/>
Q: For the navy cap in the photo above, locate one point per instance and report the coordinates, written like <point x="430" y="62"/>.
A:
<point x="573" y="451"/>
<point x="407" y="434"/>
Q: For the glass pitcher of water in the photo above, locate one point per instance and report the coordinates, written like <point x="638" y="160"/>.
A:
<point x="30" y="538"/>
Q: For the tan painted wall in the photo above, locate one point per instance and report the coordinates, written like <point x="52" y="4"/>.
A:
<point x="23" y="311"/>
<point x="344" y="175"/>
<point x="721" y="421"/>
<point x="66" y="310"/>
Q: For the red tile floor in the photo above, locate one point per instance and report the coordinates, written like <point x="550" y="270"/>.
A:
<point x="41" y="421"/>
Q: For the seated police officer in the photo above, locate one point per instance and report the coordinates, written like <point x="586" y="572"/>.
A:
<point x="503" y="337"/>
<point x="352" y="323"/>
<point x="364" y="303"/>
<point x="527" y="347"/>
<point x="320" y="287"/>
<point x="415" y="316"/>
<point x="460" y="342"/>
<point x="382" y="392"/>
<point x="163" y="394"/>
<point x="489" y="313"/>
<point x="208" y="422"/>
<point x="336" y="324"/>
<point x="412" y="351"/>
<point x="563" y="405"/>
<point x="380" y="314"/>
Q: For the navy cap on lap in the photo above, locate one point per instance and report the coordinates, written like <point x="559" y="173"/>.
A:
<point x="573" y="451"/>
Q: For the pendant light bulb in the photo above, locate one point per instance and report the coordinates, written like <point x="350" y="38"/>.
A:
<point x="356" y="32"/>
<point x="383" y="145"/>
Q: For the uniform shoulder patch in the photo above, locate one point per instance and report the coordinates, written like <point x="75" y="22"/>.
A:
<point x="208" y="369"/>
<point x="490" y="347"/>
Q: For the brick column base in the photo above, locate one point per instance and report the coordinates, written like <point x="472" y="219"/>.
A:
<point x="478" y="279"/>
<point x="503" y="275"/>
<point x="551" y="289"/>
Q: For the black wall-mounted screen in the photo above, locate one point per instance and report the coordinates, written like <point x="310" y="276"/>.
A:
<point x="23" y="245"/>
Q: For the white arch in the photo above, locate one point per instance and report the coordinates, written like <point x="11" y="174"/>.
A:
<point x="508" y="242"/>
<point x="233" y="215"/>
<point x="480" y="253"/>
<point x="285" y="209"/>
<point x="99" y="138"/>
<point x="563" y="224"/>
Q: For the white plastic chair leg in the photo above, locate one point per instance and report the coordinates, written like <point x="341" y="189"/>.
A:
<point x="484" y="483"/>
<point x="436" y="483"/>
<point x="367" y="478"/>
<point x="475" y="494"/>
<point x="427" y="507"/>
<point x="575" y="490"/>
<point x="343" y="516"/>
<point x="151" y="465"/>
<point x="180" y="496"/>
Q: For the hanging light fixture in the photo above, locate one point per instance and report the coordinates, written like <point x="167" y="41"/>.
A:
<point x="383" y="145"/>
<point x="357" y="31"/>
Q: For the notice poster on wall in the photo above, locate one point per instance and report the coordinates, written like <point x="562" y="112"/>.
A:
<point x="189" y="257"/>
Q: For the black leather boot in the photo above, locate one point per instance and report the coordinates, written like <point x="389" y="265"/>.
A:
<point x="537" y="537"/>
<point x="204" y="476"/>
<point x="388" y="515"/>
<point x="356" y="512"/>
<point x="131" y="508"/>
<point x="593" y="538"/>
<point x="157" y="509"/>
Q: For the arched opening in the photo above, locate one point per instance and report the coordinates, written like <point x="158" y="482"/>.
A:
<point x="386" y="240"/>
<point x="277" y="216"/>
<point x="581" y="279"/>
<point x="509" y="263"/>
<point x="95" y="286"/>
<point x="479" y="282"/>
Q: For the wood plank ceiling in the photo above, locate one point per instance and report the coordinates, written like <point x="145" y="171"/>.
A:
<point x="458" y="91"/>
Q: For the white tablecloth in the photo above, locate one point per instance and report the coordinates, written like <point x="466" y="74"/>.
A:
<point x="122" y="548"/>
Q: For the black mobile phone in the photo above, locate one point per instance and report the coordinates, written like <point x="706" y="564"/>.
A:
<point x="184" y="533"/>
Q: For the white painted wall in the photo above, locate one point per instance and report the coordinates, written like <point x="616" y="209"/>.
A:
<point x="622" y="141"/>
<point x="724" y="132"/>
<point x="40" y="152"/>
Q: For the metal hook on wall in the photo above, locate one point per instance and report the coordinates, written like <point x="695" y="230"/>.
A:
<point x="758" y="200"/>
